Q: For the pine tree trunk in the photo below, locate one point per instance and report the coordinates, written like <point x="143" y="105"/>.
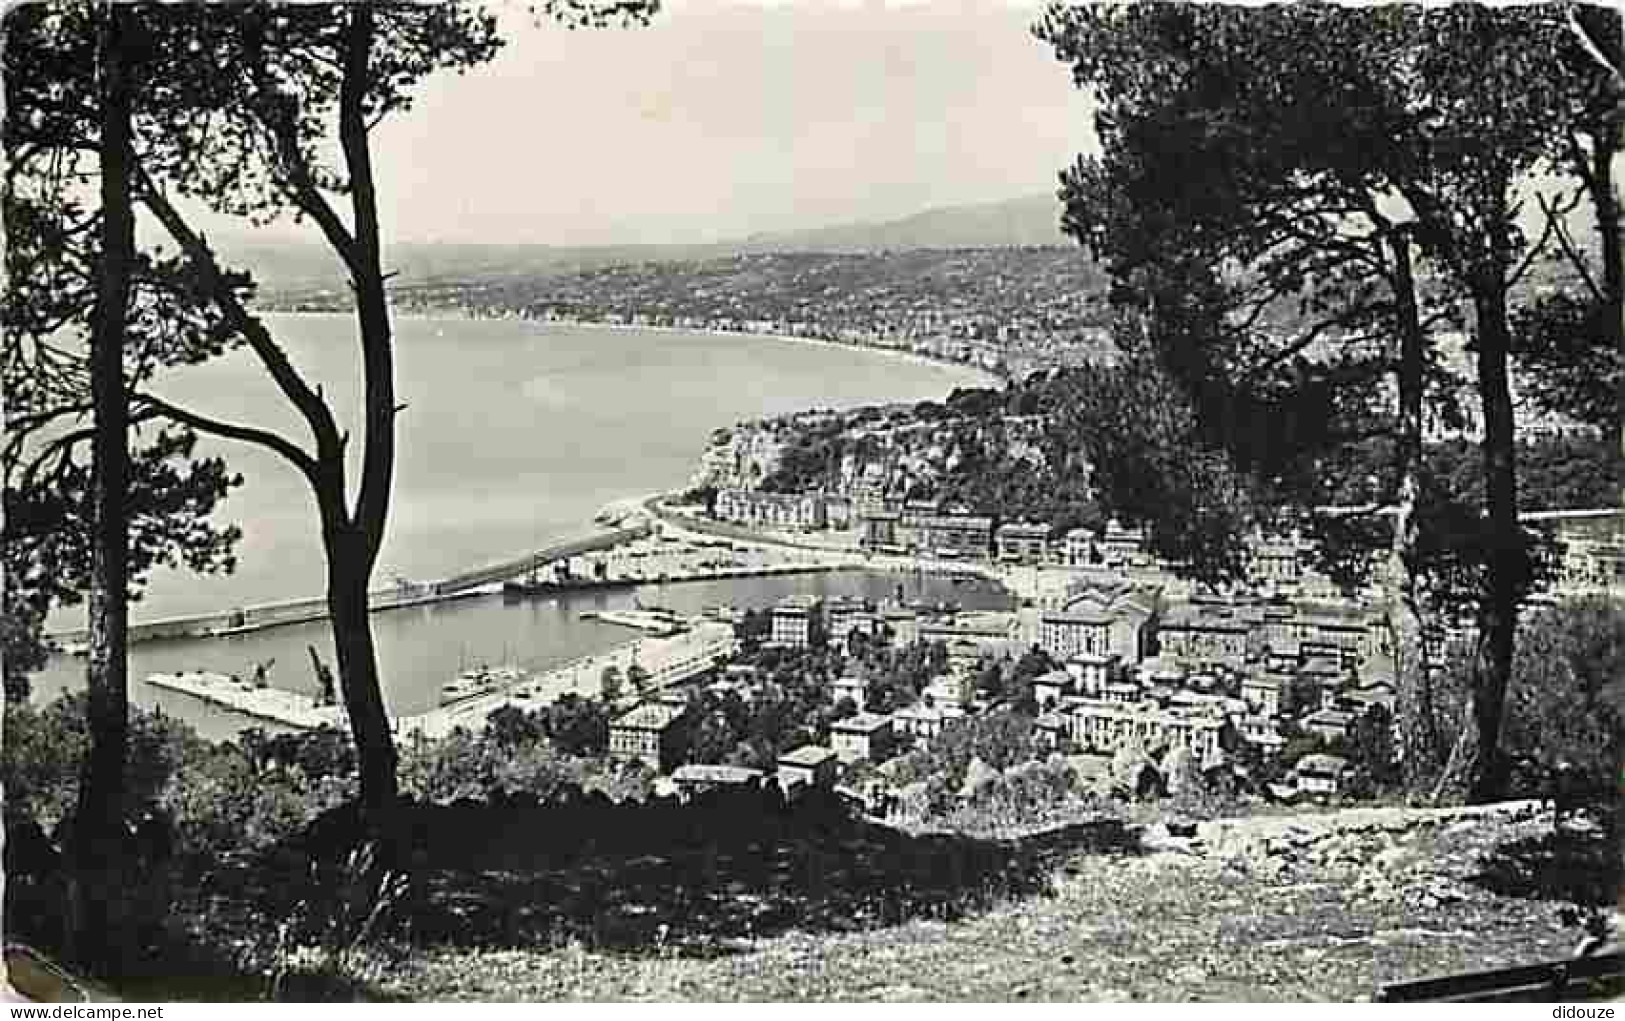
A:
<point x="352" y="558"/>
<point x="348" y="571"/>
<point x="1606" y="205"/>
<point x="1476" y="771"/>
<point x="1606" y="201"/>
<point x="99" y="848"/>
<point x="1418" y="752"/>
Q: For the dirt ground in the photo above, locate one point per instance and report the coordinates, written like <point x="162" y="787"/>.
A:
<point x="1314" y="907"/>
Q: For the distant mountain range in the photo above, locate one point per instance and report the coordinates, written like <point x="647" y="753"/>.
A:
<point x="1030" y="221"/>
<point x="300" y="266"/>
<point x="283" y="266"/>
<point x="292" y="266"/>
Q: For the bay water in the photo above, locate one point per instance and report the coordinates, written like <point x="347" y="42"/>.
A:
<point x="514" y="433"/>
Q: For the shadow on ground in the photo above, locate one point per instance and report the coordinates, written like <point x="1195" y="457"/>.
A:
<point x="167" y="959"/>
<point x="695" y="879"/>
<point x="1578" y="864"/>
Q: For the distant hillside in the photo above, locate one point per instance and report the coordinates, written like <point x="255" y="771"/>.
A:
<point x="299" y="266"/>
<point x="1025" y="222"/>
<point x="286" y="267"/>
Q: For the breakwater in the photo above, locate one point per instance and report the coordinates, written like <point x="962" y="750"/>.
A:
<point x="684" y="565"/>
<point x="531" y="562"/>
<point x="246" y="619"/>
<point x="476" y="582"/>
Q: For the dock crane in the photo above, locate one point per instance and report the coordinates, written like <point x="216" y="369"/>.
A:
<point x="261" y="669"/>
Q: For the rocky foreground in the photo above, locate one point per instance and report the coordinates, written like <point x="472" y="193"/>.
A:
<point x="1310" y="907"/>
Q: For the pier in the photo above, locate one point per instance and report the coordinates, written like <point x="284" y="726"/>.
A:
<point x="665" y="661"/>
<point x="631" y="555"/>
<point x="272" y="704"/>
<point x="534" y="562"/>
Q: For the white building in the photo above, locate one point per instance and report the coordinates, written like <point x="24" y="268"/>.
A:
<point x="853" y="688"/>
<point x="798" y="622"/>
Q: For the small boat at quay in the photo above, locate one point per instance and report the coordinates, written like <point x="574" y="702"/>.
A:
<point x="477" y="681"/>
<point x="655" y="619"/>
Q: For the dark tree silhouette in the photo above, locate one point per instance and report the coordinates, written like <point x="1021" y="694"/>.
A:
<point x="98" y="846"/>
<point x="1395" y="105"/>
<point x="290" y="69"/>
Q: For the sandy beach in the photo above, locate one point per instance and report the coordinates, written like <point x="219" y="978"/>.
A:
<point x="984" y="377"/>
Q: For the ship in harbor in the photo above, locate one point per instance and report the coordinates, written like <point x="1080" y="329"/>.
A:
<point x="533" y="584"/>
<point x="531" y="587"/>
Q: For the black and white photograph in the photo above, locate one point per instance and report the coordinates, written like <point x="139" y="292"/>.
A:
<point x="812" y="501"/>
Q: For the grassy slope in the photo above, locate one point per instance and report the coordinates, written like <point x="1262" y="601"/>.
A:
<point x="1331" y="919"/>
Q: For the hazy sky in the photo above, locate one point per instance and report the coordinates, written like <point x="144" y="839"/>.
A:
<point x="726" y="117"/>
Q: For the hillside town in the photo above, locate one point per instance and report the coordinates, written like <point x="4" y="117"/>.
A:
<point x="882" y="502"/>
<point x="1281" y="687"/>
<point x="1224" y="684"/>
<point x="1009" y="311"/>
<point x="1109" y="657"/>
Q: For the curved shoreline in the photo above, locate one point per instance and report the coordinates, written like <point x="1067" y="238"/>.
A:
<point x="987" y="376"/>
<point x="966" y="375"/>
<point x="983" y="376"/>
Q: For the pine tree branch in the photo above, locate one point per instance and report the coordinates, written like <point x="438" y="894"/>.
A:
<point x="1302" y="344"/>
<point x="1567" y="244"/>
<point x="1553" y="212"/>
<point x="1615" y="75"/>
<point x="155" y="407"/>
<point x="282" y="122"/>
<point x="309" y="403"/>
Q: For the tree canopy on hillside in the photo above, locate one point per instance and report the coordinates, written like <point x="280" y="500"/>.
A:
<point x="1383" y="147"/>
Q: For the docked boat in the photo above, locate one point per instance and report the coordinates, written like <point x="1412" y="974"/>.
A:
<point x="477" y="681"/>
<point x="227" y="632"/>
<point x="659" y="622"/>
<point x="469" y="684"/>
<point x="723" y="614"/>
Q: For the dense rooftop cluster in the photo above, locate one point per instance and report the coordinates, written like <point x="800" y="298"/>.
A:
<point x="1136" y="691"/>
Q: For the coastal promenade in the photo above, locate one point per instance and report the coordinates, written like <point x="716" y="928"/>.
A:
<point x="1023" y="582"/>
<point x="992" y="376"/>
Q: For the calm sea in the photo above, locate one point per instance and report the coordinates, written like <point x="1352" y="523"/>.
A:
<point x="514" y="434"/>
